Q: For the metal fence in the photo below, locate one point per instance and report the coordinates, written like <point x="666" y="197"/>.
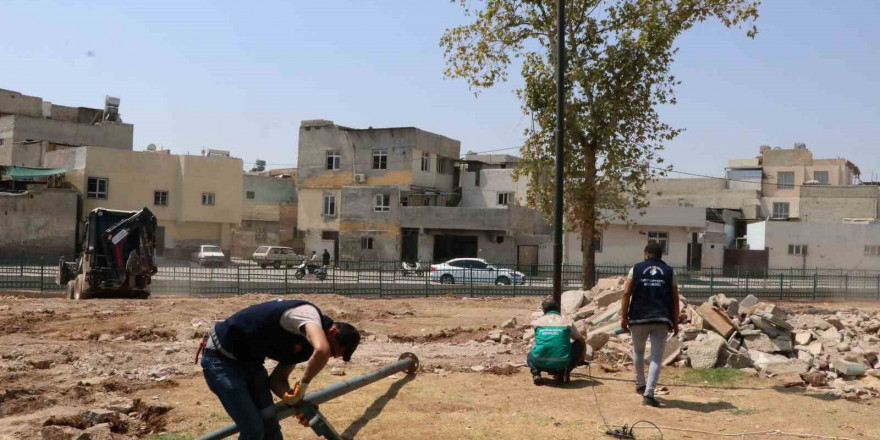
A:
<point x="385" y="278"/>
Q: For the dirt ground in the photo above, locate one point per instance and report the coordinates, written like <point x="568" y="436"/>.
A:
<point x="60" y="358"/>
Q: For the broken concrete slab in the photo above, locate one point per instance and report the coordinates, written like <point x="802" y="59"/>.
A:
<point x="689" y="333"/>
<point x="495" y="335"/>
<point x="831" y="336"/>
<point x="760" y="342"/>
<point x="811" y="322"/>
<point x="611" y="328"/>
<point x="774" y="320"/>
<point x="510" y="323"/>
<point x="847" y="368"/>
<point x="805" y="356"/>
<point x="733" y="308"/>
<point x="765" y="326"/>
<point x="803" y="338"/>
<point x="609" y="313"/>
<point x="717" y="320"/>
<point x="584" y="312"/>
<point x="528" y="334"/>
<point x="671" y="351"/>
<point x="761" y="359"/>
<point x="597" y="340"/>
<point x="773" y="309"/>
<point x="787" y="366"/>
<point x="815" y="378"/>
<point x="611" y="283"/>
<point x="738" y="360"/>
<point x="605" y="299"/>
<point x="704" y="352"/>
<point x="572" y="300"/>
<point x="836" y="322"/>
<point x="747" y="303"/>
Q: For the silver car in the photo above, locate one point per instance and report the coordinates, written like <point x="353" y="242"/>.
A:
<point x="276" y="256"/>
<point x="474" y="270"/>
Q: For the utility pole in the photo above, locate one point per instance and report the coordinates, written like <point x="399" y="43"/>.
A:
<point x="560" y="151"/>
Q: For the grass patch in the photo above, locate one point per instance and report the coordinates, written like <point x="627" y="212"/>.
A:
<point x="171" y="436"/>
<point x="712" y="376"/>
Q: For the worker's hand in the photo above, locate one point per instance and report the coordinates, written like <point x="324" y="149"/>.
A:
<point x="624" y="324"/>
<point x="295" y="395"/>
<point x="675" y="330"/>
<point x="303" y="420"/>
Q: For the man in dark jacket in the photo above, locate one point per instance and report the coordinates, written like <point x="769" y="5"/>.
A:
<point x="287" y="331"/>
<point x="326" y="258"/>
<point x="650" y="309"/>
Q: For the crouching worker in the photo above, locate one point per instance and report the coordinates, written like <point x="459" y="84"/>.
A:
<point x="287" y="331"/>
<point x="554" y="352"/>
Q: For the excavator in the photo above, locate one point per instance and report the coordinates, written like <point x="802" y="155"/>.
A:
<point x="118" y="257"/>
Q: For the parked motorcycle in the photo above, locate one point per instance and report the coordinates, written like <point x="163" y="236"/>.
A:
<point x="410" y="269"/>
<point x="304" y="269"/>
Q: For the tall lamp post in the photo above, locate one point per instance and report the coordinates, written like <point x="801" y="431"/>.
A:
<point x="560" y="151"/>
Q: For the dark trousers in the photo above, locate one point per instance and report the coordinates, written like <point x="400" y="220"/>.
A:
<point x="577" y="350"/>
<point x="243" y="389"/>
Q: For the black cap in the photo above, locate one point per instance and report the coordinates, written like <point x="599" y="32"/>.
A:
<point x="348" y="338"/>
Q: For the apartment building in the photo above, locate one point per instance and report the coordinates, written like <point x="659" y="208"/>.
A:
<point x="30" y="127"/>
<point x="269" y="214"/>
<point x="196" y="199"/>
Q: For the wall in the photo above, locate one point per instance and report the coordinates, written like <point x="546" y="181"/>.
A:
<point x="311" y="219"/>
<point x="15" y="103"/>
<point x="268" y="189"/>
<point x="830" y="246"/>
<point x="438" y="146"/>
<point x="492" y="181"/>
<point x="40" y="221"/>
<point x="832" y="204"/>
<point x="360" y="220"/>
<point x="622" y="244"/>
<point x="756" y="234"/>
<point x="706" y="193"/>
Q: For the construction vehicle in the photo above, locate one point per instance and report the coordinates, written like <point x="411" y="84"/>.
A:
<point x="118" y="256"/>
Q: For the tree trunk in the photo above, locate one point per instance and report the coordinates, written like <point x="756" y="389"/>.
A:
<point x="588" y="228"/>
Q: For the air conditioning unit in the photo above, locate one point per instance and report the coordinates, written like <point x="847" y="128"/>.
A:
<point x="360" y="178"/>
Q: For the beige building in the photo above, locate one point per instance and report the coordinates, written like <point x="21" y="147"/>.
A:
<point x="794" y="244"/>
<point x="197" y="200"/>
<point x="30" y="127"/>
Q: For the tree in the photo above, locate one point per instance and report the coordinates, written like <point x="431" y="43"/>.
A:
<point x="618" y="55"/>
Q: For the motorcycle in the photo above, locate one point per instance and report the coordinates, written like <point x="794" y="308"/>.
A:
<point x="304" y="269"/>
<point x="410" y="269"/>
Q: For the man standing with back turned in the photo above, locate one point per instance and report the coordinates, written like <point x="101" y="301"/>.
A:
<point x="287" y="331"/>
<point x="650" y="309"/>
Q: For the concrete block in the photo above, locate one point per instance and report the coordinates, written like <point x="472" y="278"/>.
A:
<point x="773" y="309"/>
<point x="787" y="366"/>
<point x="704" y="353"/>
<point x="733" y="308"/>
<point x="747" y="303"/>
<point x="812" y="322"/>
<point x="805" y="356"/>
<point x="761" y="360"/>
<point x="611" y="283"/>
<point x="765" y="326"/>
<point x="572" y="300"/>
<point x="760" y="342"/>
<point x="738" y="360"/>
<point x="597" y="340"/>
<point x="802" y="338"/>
<point x="717" y="320"/>
<point x="584" y="312"/>
<point x="605" y="299"/>
<point x="605" y="315"/>
<point x="831" y="336"/>
<point x="671" y="351"/>
<point x="835" y="321"/>
<point x="847" y="368"/>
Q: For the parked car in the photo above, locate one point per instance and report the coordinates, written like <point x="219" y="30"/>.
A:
<point x="209" y="255"/>
<point x="473" y="270"/>
<point x="276" y="256"/>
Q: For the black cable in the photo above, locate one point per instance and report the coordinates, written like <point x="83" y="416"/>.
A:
<point x="633" y="427"/>
<point x="596" y="396"/>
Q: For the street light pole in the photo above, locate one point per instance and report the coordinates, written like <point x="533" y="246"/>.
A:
<point x="560" y="151"/>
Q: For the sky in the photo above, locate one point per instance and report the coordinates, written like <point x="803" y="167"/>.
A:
<point x="240" y="76"/>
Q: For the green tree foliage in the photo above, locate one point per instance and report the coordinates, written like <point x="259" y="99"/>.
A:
<point x="618" y="55"/>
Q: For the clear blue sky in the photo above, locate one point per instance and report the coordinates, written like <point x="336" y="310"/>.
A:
<point x="240" y="76"/>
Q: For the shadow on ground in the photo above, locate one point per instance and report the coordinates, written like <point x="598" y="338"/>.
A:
<point x="703" y="407"/>
<point x="375" y="408"/>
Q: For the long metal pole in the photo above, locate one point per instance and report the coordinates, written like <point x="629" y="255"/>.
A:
<point x="560" y="151"/>
<point x="408" y="362"/>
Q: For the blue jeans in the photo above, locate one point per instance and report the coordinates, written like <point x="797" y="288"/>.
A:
<point x="243" y="389"/>
<point x="640" y="334"/>
<point x="577" y="350"/>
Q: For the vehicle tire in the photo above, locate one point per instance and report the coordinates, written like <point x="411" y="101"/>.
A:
<point x="141" y="294"/>
<point x="288" y="266"/>
<point x="277" y="265"/>
<point x="68" y="293"/>
<point x="262" y="266"/>
<point x="300" y="274"/>
<point x="447" y="279"/>
<point x="321" y="276"/>
<point x="502" y="280"/>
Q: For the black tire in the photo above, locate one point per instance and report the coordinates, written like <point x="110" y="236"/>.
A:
<point x="262" y="266"/>
<point x="300" y="274"/>
<point x="447" y="279"/>
<point x="321" y="276"/>
<point x="502" y="280"/>
<point x="141" y="294"/>
<point x="277" y="265"/>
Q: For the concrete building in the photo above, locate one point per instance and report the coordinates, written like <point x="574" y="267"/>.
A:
<point x="269" y="214"/>
<point x="837" y="204"/>
<point x="794" y="244"/>
<point x="31" y="127"/>
<point x="487" y="182"/>
<point x="682" y="231"/>
<point x="197" y="200"/>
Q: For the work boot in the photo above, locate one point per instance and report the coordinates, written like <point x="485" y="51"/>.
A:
<point x="536" y="378"/>
<point x="640" y="390"/>
<point x="559" y="378"/>
<point x="650" y="401"/>
<point x="567" y="378"/>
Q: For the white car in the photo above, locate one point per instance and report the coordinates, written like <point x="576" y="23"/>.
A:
<point x="473" y="270"/>
<point x="210" y="256"/>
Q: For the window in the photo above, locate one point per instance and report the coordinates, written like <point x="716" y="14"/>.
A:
<point x="98" y="188"/>
<point x="380" y="159"/>
<point x="383" y="203"/>
<point x="333" y="160"/>
<point x="504" y="198"/>
<point x="659" y="237"/>
<point x="251" y="195"/>
<point x="426" y="161"/>
<point x="785" y="180"/>
<point x="208" y="199"/>
<point x="366" y="243"/>
<point x="797" y="249"/>
<point x="160" y="198"/>
<point x="444" y="165"/>
<point x="477" y="264"/>
<point x="821" y="177"/>
<point x="404" y="201"/>
<point x="872" y="251"/>
<point x="330" y="206"/>
<point x="780" y="209"/>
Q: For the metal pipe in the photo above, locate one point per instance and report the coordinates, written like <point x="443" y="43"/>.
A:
<point x="560" y="152"/>
<point x="407" y="362"/>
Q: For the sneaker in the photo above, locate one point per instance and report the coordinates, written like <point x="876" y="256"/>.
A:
<point x="640" y="390"/>
<point x="536" y="379"/>
<point x="650" y="401"/>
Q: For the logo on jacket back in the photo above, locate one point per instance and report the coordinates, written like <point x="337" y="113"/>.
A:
<point x="653" y="282"/>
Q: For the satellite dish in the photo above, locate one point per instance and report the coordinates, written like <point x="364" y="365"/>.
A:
<point x="151" y="147"/>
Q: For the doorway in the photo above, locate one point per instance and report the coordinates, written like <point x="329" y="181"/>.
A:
<point x="447" y="247"/>
<point x="332" y="235"/>
<point x="409" y="249"/>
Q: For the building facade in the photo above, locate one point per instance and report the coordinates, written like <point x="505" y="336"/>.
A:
<point x="197" y="200"/>
<point x="31" y="127"/>
<point x="269" y="214"/>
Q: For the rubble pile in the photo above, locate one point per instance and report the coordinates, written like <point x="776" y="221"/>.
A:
<point x="835" y="352"/>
